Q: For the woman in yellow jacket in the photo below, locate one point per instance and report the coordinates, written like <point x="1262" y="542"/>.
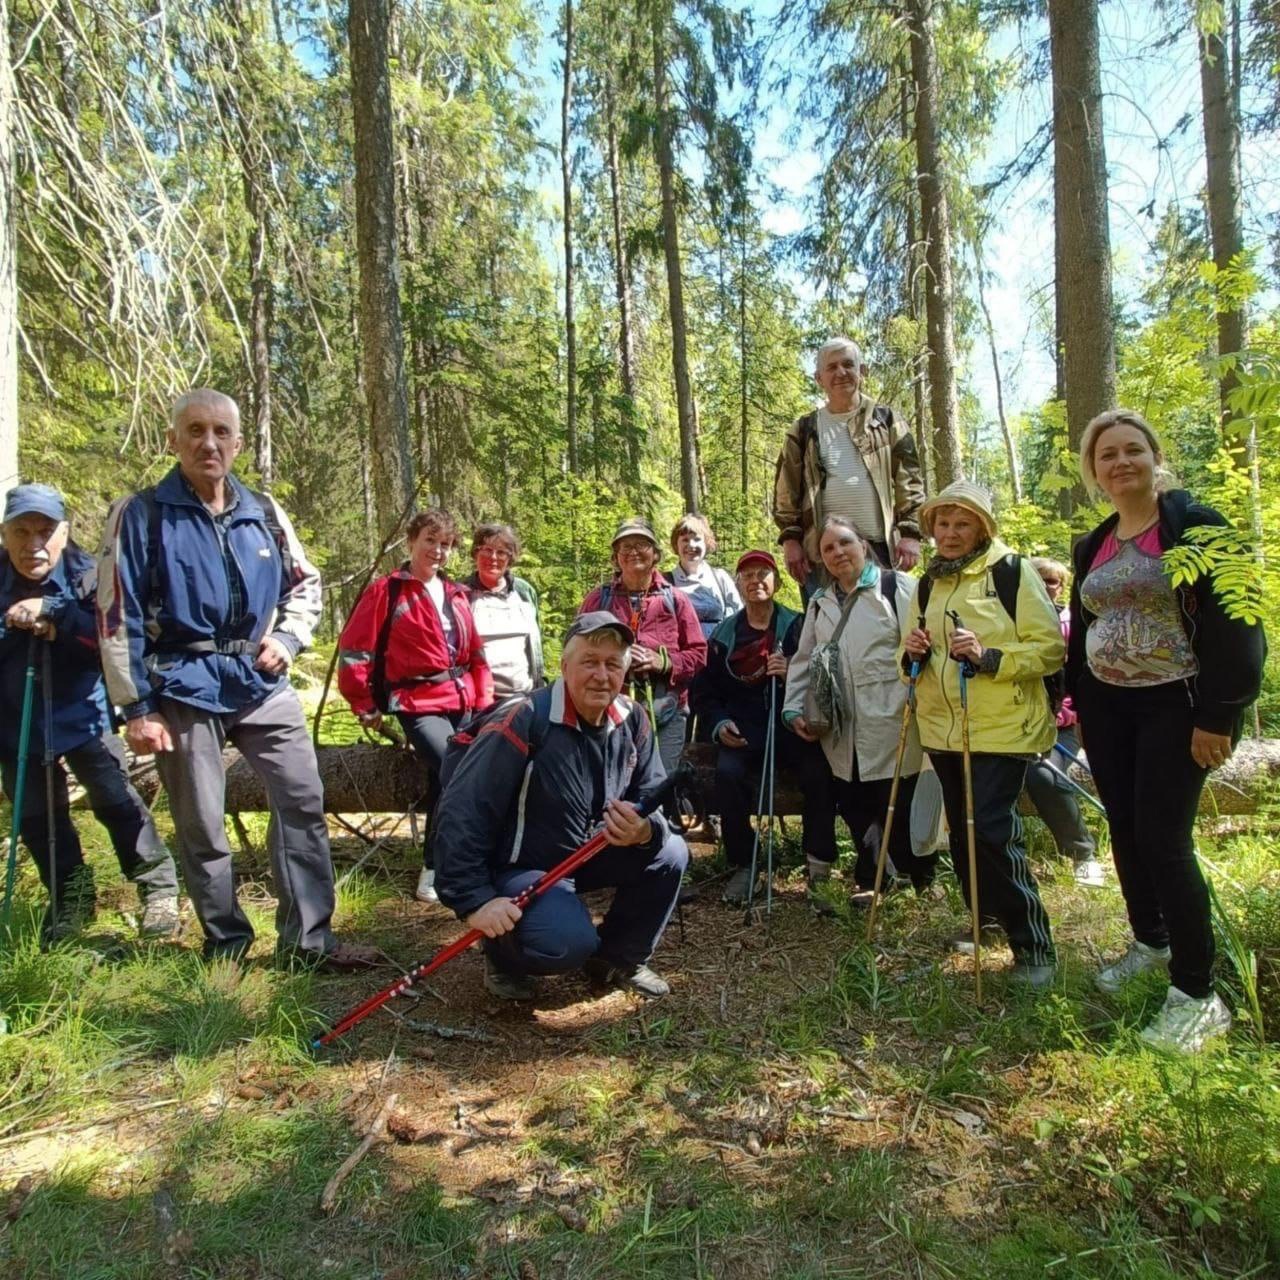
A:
<point x="979" y="603"/>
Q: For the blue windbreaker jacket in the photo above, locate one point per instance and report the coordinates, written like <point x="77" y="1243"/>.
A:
<point x="142" y="637"/>
<point x="79" y="702"/>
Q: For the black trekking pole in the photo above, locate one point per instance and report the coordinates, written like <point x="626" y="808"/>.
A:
<point x="51" y="835"/>
<point x="20" y="787"/>
<point x="766" y="788"/>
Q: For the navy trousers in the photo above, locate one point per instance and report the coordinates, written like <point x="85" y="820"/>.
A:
<point x="555" y="934"/>
<point x="99" y="767"/>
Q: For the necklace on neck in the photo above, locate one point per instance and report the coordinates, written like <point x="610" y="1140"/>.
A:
<point x="1140" y="530"/>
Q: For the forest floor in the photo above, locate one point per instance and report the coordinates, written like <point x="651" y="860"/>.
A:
<point x="800" y="1106"/>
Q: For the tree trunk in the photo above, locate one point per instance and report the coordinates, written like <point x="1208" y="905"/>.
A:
<point x="8" y="271"/>
<point x="1222" y="159"/>
<point x="675" y="282"/>
<point x="1010" y="445"/>
<point x="911" y="294"/>
<point x="1080" y="210"/>
<point x="744" y="458"/>
<point x="622" y="283"/>
<point x="566" y="177"/>
<point x="379" y="260"/>
<point x="935" y="217"/>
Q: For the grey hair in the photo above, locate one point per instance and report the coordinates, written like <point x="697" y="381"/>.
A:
<point x="843" y="522"/>
<point x="837" y="344"/>
<point x="595" y="640"/>
<point x="202" y="395"/>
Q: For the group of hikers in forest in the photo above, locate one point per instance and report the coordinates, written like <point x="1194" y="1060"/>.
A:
<point x="975" y="671"/>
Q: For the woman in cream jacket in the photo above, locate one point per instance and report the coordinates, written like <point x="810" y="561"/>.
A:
<point x="859" y="681"/>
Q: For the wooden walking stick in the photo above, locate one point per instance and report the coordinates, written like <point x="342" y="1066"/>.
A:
<point x="969" y="831"/>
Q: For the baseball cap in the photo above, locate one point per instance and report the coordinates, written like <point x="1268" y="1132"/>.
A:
<point x="635" y="527"/>
<point x="756" y="557"/>
<point x="34" y="499"/>
<point x="587" y="624"/>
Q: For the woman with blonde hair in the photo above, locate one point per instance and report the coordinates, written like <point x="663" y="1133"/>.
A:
<point x="1160" y="677"/>
<point x="711" y="591"/>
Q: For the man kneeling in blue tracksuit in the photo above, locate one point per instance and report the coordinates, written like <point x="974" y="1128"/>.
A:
<point x="541" y="777"/>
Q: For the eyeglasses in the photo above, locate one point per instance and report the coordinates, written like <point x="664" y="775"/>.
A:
<point x="494" y="553"/>
<point x="755" y="575"/>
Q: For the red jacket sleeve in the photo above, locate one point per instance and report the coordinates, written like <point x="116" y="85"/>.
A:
<point x="691" y="656"/>
<point x="356" y="644"/>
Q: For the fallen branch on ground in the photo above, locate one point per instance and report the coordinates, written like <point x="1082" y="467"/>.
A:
<point x="377" y="1132"/>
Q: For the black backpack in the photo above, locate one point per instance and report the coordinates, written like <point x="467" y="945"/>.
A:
<point x="1006" y="576"/>
<point x="460" y="742"/>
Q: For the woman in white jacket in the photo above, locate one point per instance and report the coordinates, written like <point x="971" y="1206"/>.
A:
<point x="846" y="670"/>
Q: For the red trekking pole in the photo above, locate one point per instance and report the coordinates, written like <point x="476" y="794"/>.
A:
<point x="584" y="853"/>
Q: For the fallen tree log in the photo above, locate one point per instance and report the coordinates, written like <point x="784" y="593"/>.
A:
<point x="363" y="778"/>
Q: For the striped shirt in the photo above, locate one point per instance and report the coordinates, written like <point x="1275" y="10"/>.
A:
<point x="849" y="490"/>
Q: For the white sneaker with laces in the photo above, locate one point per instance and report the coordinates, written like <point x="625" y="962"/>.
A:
<point x="1090" y="872"/>
<point x="426" y="890"/>
<point x="1138" y="959"/>
<point x="1186" y="1022"/>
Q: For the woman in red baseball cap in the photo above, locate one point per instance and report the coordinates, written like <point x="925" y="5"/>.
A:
<point x="746" y="652"/>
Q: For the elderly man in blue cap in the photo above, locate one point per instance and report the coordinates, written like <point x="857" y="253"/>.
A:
<point x="47" y="588"/>
<point x="540" y="777"/>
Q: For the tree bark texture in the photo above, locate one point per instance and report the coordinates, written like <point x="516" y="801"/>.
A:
<point x="622" y="285"/>
<point x="1087" y="333"/>
<point x="664" y="149"/>
<point x="939" y="297"/>
<point x="8" y="270"/>
<point x="1222" y="161"/>
<point x="566" y="176"/>
<point x="380" y="325"/>
<point x="911" y="292"/>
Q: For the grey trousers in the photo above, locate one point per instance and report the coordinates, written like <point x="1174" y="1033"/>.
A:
<point x="272" y="736"/>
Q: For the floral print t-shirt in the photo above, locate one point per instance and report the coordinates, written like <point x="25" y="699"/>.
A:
<point x="1136" y="637"/>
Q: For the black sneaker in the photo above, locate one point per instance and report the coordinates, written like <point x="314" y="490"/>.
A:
<point x="638" y="978"/>
<point x="508" y="986"/>
<point x="77" y="907"/>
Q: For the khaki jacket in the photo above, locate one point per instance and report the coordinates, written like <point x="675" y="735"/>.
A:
<point x="871" y="676"/>
<point x="889" y="451"/>
<point x="1009" y="710"/>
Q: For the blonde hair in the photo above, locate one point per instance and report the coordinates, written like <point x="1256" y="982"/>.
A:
<point x="1047" y="564"/>
<point x="691" y="522"/>
<point x="1115" y="418"/>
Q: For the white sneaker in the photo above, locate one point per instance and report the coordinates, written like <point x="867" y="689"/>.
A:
<point x="1090" y="872"/>
<point x="1185" y="1022"/>
<point x="426" y="890"/>
<point x="1138" y="959"/>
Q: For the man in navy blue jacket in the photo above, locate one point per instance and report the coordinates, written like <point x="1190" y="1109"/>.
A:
<point x="47" y="586"/>
<point x="541" y="777"/>
<point x="205" y="596"/>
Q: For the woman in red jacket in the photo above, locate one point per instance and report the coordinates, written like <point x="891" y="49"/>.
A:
<point x="411" y="647"/>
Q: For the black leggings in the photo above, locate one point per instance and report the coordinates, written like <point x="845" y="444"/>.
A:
<point x="429" y="736"/>
<point x="1138" y="742"/>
